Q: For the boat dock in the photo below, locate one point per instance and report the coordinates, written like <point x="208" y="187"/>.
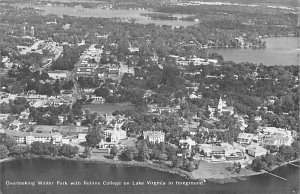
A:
<point x="274" y="175"/>
<point x="294" y="165"/>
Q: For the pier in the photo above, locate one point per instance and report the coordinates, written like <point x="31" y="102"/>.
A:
<point x="274" y="175"/>
<point x="294" y="165"/>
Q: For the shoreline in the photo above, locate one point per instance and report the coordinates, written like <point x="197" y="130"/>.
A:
<point x="158" y="167"/>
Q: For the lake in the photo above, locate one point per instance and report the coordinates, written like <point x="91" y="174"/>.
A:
<point x="139" y="15"/>
<point x="60" y="170"/>
<point x="279" y="51"/>
<point x="108" y="108"/>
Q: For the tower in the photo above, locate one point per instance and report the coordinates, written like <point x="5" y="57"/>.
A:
<point x="32" y="31"/>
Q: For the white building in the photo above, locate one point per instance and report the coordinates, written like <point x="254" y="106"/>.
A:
<point x="154" y="136"/>
<point x="81" y="136"/>
<point x="58" y="74"/>
<point x="222" y="107"/>
<point x="272" y="136"/>
<point x="29" y="138"/>
<point x="245" y="138"/>
<point x="97" y="99"/>
<point x="255" y="150"/>
<point x="115" y="135"/>
<point x="187" y="143"/>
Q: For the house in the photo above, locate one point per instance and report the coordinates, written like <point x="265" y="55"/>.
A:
<point x="58" y="74"/>
<point x="25" y="114"/>
<point x="154" y="136"/>
<point x="4" y="117"/>
<point x="133" y="49"/>
<point x="222" y="107"/>
<point x="183" y="62"/>
<point x="97" y="99"/>
<point x="81" y="136"/>
<point x="113" y="69"/>
<point x="245" y="138"/>
<point x="187" y="143"/>
<point x="16" y="125"/>
<point x="255" y="150"/>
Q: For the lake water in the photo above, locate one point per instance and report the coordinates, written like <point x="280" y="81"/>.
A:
<point x="59" y="170"/>
<point x="111" y="13"/>
<point x="279" y="51"/>
<point x="107" y="108"/>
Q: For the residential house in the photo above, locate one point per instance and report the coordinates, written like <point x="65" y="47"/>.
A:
<point x="187" y="143"/>
<point x="58" y="74"/>
<point x="154" y="136"/>
<point x="97" y="99"/>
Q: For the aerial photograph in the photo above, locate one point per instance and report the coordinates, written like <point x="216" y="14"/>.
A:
<point x="149" y="97"/>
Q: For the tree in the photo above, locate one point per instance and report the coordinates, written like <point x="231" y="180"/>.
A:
<point x="3" y="151"/>
<point x="175" y="161"/>
<point x="129" y="153"/>
<point x="256" y="164"/>
<point x="155" y="154"/>
<point x="87" y="152"/>
<point x="114" y="151"/>
<point x="40" y="148"/>
<point x="68" y="150"/>
<point x="68" y="85"/>
<point x="287" y="152"/>
<point x="4" y="108"/>
<point x="93" y="137"/>
<point x="7" y="141"/>
<point x="76" y="109"/>
<point x="190" y="166"/>
<point x="143" y="151"/>
<point x="103" y="92"/>
<point x="19" y="150"/>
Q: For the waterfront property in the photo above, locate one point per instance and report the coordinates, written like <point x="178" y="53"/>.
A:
<point x="30" y="137"/>
<point x="115" y="135"/>
<point x="256" y="150"/>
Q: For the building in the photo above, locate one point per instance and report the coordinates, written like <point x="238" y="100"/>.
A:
<point x="115" y="135"/>
<point x="81" y="136"/>
<point x="133" y="49"/>
<point x="187" y="143"/>
<point x="97" y="99"/>
<point x="154" y="136"/>
<point x="255" y="150"/>
<point x="4" y="117"/>
<point x="29" y="138"/>
<point x="36" y="97"/>
<point x="58" y="74"/>
<point x="222" y="107"/>
<point x="272" y="136"/>
<point x="212" y="150"/>
<point x="245" y="138"/>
